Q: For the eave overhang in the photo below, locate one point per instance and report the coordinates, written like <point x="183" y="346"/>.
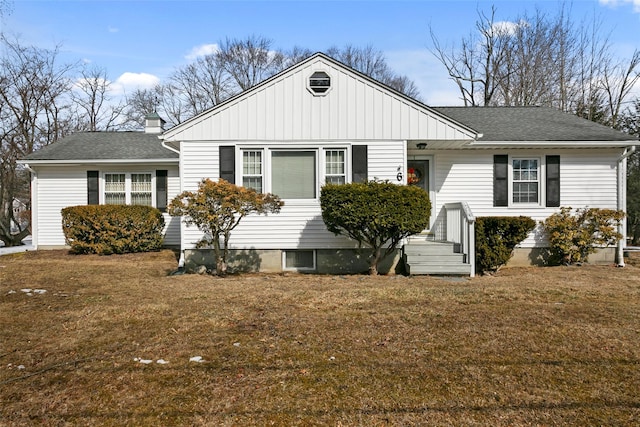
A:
<point x="42" y="162"/>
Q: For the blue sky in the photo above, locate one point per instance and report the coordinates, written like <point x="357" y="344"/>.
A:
<point x="140" y="42"/>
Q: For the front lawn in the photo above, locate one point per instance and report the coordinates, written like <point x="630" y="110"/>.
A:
<point x="113" y="340"/>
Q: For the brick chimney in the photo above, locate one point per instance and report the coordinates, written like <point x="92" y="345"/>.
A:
<point x="153" y="123"/>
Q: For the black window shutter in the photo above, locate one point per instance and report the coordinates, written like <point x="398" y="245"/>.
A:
<point x="500" y="180"/>
<point x="161" y="190"/>
<point x="553" y="181"/>
<point x="228" y="163"/>
<point x="93" y="190"/>
<point x="359" y="163"/>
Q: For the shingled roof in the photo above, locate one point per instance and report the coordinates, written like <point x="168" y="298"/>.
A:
<point x="105" y="146"/>
<point x="530" y="124"/>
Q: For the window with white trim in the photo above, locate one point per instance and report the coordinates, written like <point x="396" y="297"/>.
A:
<point x="525" y="181"/>
<point x="335" y="171"/>
<point x="293" y="173"/>
<point x="115" y="192"/>
<point x="128" y="188"/>
<point x="141" y="189"/>
<point x="252" y="168"/>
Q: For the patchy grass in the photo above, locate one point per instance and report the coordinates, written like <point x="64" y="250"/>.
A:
<point x="530" y="346"/>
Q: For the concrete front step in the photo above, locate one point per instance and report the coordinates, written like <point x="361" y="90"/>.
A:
<point x="433" y="248"/>
<point x="433" y="257"/>
<point x="443" y="269"/>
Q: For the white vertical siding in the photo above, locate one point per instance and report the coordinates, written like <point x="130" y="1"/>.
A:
<point x="63" y="186"/>
<point x="283" y="109"/>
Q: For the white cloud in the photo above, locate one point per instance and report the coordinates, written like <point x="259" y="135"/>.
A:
<point x="112" y="29"/>
<point x="129" y="82"/>
<point x="429" y="75"/>
<point x="202" y="50"/>
<point x="616" y="3"/>
<point x="508" y="27"/>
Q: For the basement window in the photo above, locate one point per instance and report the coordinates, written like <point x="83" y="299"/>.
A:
<point x="319" y="83"/>
<point x="299" y="260"/>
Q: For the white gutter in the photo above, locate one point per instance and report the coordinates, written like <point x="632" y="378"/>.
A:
<point x="554" y="144"/>
<point x="622" y="201"/>
<point x="95" y="161"/>
<point x="168" y="147"/>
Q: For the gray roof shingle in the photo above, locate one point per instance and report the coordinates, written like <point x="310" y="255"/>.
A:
<point x="530" y="124"/>
<point x="105" y="146"/>
<point x="494" y="123"/>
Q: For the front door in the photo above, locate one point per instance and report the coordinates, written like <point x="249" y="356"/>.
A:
<point x="418" y="175"/>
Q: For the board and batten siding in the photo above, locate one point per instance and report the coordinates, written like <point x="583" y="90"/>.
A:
<point x="299" y="225"/>
<point x="62" y="186"/>
<point x="283" y="109"/>
<point x="587" y="178"/>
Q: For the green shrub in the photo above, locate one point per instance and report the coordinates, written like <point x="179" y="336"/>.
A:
<point x="375" y="214"/>
<point x="112" y="229"/>
<point x="496" y="236"/>
<point x="573" y="236"/>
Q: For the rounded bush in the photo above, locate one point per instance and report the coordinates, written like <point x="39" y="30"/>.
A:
<point x="112" y="229"/>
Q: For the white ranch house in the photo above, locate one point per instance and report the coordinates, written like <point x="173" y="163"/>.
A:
<point x="321" y="121"/>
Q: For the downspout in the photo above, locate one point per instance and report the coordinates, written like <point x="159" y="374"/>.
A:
<point x="181" y="261"/>
<point x="622" y="202"/>
<point x="34" y="205"/>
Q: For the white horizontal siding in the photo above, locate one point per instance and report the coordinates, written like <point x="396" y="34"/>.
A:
<point x="172" y="224"/>
<point x="587" y="178"/>
<point x="384" y="159"/>
<point x="355" y="108"/>
<point x="57" y="188"/>
<point x="299" y="224"/>
<point x="199" y="160"/>
<point x="63" y="186"/>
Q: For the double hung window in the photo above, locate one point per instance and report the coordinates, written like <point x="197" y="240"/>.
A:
<point x="533" y="181"/>
<point x="526" y="181"/>
<point x="335" y="166"/>
<point x="252" y="170"/>
<point x="115" y="192"/>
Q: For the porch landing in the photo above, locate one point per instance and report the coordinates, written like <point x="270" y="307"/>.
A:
<point x="421" y="255"/>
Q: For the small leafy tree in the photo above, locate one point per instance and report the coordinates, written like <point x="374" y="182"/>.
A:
<point x="573" y="236"/>
<point x="216" y="209"/>
<point x="375" y="214"/>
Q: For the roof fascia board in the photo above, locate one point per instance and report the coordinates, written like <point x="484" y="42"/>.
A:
<point x="563" y="144"/>
<point x="96" y="161"/>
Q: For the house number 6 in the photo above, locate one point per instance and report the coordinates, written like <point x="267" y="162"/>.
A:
<point x="399" y="176"/>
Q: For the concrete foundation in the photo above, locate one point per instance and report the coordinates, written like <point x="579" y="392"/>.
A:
<point x="524" y="257"/>
<point x="328" y="261"/>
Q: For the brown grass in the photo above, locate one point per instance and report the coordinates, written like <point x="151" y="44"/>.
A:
<point x="530" y="346"/>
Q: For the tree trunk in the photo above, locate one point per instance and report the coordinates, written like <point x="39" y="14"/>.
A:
<point x="221" y="259"/>
<point x="373" y="264"/>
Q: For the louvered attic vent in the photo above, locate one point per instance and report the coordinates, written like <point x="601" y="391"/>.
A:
<point x="319" y="83"/>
